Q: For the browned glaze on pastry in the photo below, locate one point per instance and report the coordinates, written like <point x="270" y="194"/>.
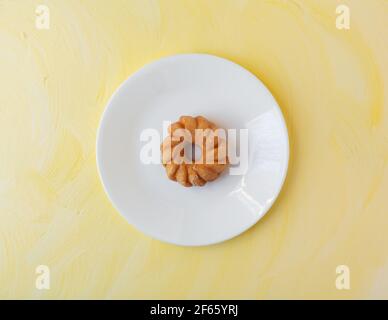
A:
<point x="191" y="172"/>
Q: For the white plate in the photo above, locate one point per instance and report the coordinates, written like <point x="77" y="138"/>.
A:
<point x="191" y="84"/>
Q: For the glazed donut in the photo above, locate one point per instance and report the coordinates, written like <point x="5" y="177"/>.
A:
<point x="194" y="131"/>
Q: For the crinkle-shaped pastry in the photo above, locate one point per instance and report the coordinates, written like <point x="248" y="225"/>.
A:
<point x="194" y="172"/>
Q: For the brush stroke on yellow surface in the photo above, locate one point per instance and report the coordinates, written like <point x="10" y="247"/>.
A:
<point x="332" y="87"/>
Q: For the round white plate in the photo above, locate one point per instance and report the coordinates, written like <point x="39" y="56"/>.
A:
<point x="191" y="84"/>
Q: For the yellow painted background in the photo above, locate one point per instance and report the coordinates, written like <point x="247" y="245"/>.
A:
<point x="331" y="84"/>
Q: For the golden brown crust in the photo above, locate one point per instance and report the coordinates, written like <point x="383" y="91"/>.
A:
<point x="182" y="177"/>
<point x="174" y="126"/>
<point x="202" y="170"/>
<point x="205" y="172"/>
<point x="171" y="170"/>
<point x="194" y="178"/>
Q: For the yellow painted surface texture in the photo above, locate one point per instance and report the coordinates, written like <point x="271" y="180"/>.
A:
<point x="332" y="87"/>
